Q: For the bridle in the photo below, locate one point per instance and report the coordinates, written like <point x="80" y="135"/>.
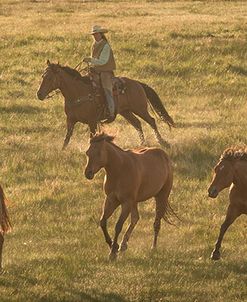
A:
<point x="54" y="83"/>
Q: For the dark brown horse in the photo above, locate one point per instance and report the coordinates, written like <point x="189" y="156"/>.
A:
<point x="231" y="170"/>
<point x="4" y="223"/>
<point x="131" y="177"/>
<point x="81" y="107"/>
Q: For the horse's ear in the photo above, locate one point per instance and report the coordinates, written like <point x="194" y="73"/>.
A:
<point x="48" y="62"/>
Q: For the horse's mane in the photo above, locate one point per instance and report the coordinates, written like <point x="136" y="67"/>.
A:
<point x="98" y="137"/>
<point x="73" y="72"/>
<point x="235" y="153"/>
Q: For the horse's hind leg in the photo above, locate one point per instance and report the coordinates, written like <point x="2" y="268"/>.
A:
<point x="231" y="215"/>
<point x="161" y="209"/>
<point x="151" y="121"/>
<point x="131" y="226"/>
<point x="111" y="203"/>
<point x="1" y="250"/>
<point x="133" y="120"/>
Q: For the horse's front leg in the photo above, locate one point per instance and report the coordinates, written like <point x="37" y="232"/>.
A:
<point x="70" y="129"/>
<point x="1" y="250"/>
<point x="92" y="128"/>
<point x="232" y="214"/>
<point x="110" y="204"/>
<point x="118" y="228"/>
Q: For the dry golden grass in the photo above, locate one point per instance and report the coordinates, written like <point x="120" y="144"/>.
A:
<point x="194" y="55"/>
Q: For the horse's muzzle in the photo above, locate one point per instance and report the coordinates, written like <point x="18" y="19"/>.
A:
<point x="212" y="192"/>
<point x="40" y="96"/>
<point x="89" y="175"/>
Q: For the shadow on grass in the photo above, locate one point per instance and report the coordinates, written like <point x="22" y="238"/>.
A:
<point x="237" y="70"/>
<point x="202" y="125"/>
<point x="195" y="159"/>
<point x="34" y="280"/>
<point x="27" y="109"/>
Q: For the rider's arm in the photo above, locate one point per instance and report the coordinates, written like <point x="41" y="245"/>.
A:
<point x="104" y="56"/>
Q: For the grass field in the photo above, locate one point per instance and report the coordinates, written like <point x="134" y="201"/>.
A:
<point x="194" y="54"/>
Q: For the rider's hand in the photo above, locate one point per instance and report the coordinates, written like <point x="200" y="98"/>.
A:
<point x="87" y="60"/>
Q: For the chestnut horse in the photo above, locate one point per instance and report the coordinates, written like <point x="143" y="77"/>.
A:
<point x="131" y="177"/>
<point x="231" y="170"/>
<point x="80" y="105"/>
<point x="4" y="223"/>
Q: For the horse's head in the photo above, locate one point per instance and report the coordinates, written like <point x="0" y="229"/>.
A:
<point x="96" y="154"/>
<point x="95" y="158"/>
<point x="223" y="177"/>
<point x="50" y="80"/>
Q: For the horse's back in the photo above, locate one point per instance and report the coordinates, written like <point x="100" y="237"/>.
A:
<point x="133" y="98"/>
<point x="153" y="170"/>
<point x="146" y="154"/>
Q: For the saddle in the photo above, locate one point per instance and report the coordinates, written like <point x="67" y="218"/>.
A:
<point x="118" y="83"/>
<point x="119" y="88"/>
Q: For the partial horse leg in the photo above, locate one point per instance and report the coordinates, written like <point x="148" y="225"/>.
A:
<point x="1" y="250"/>
<point x="231" y="215"/>
<point x="161" y="208"/>
<point x="133" y="120"/>
<point x="118" y="228"/>
<point x="134" y="219"/>
<point x="92" y="128"/>
<point x="70" y="129"/>
<point x="110" y="204"/>
<point x="151" y="121"/>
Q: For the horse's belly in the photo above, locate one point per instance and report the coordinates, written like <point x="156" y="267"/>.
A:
<point x="151" y="185"/>
<point x="122" y="103"/>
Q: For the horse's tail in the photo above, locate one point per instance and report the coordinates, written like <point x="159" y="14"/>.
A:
<point x="5" y="224"/>
<point x="170" y="212"/>
<point x="157" y="105"/>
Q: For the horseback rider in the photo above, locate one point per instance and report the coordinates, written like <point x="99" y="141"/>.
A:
<point x="103" y="62"/>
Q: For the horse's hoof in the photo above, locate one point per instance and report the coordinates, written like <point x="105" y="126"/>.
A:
<point x="154" y="248"/>
<point x="215" y="255"/>
<point x="123" y="247"/>
<point x="113" y="256"/>
<point x="1" y="271"/>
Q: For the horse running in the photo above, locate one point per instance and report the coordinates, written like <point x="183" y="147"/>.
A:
<point x="4" y="223"/>
<point x="131" y="177"/>
<point x="231" y="170"/>
<point x="80" y="105"/>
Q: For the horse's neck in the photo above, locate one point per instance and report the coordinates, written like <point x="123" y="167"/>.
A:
<point x="115" y="159"/>
<point x="72" y="88"/>
<point x="240" y="175"/>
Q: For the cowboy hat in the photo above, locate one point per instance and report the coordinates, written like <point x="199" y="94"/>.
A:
<point x="98" y="29"/>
